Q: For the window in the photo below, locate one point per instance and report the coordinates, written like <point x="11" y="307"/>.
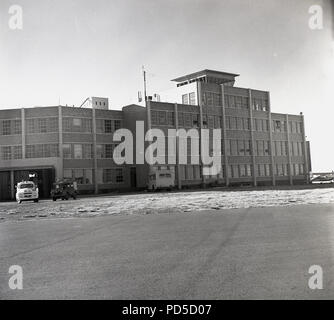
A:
<point x="53" y="125"/>
<point x="195" y="120"/>
<point x="67" y="154"/>
<point x="87" y="151"/>
<point x="67" y="174"/>
<point x="277" y="125"/>
<point x="248" y="170"/>
<point x="247" y="148"/>
<point x="185" y="99"/>
<point x="266" y="148"/>
<point x="180" y="119"/>
<point x="99" y="126"/>
<point x="6" y="153"/>
<point x="170" y="118"/>
<point x="117" y="124"/>
<point x="17" y="152"/>
<point x="108" y="151"/>
<point x="42" y="150"/>
<point x="154" y="117"/>
<point x="42" y="125"/>
<point x="77" y="122"/>
<point x="119" y="175"/>
<point x="66" y="125"/>
<point x="107" y="126"/>
<point x="99" y="151"/>
<point x="259" y="144"/>
<point x="192" y="98"/>
<point x="187" y="120"/>
<point x="6" y="127"/>
<point x="162" y="117"/>
<point x="77" y="150"/>
<point x="87" y="125"/>
<point x="241" y="148"/>
<point x="79" y="175"/>
<point x="30" y="151"/>
<point x="267" y="169"/>
<point x="88" y="176"/>
<point x="107" y="175"/>
<point x="17" y="127"/>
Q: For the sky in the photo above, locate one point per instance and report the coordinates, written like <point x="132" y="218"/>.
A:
<point x="69" y="50"/>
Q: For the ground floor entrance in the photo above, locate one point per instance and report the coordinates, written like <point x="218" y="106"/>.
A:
<point x="9" y="179"/>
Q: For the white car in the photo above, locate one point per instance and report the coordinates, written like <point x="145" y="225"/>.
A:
<point x="26" y="190"/>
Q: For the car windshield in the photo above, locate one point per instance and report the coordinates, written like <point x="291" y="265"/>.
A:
<point x="26" y="185"/>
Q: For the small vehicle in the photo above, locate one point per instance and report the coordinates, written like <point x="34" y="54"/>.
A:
<point x="26" y="190"/>
<point x="323" y="179"/>
<point x="161" y="178"/>
<point x="64" y="190"/>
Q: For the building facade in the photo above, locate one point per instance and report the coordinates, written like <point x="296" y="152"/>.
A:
<point x="258" y="147"/>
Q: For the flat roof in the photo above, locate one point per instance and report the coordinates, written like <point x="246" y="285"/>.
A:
<point x="206" y="72"/>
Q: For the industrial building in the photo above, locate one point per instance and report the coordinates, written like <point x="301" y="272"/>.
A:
<point x="258" y="147"/>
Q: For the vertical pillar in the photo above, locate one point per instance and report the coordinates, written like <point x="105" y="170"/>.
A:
<point x="23" y="133"/>
<point x="200" y="104"/>
<point x="12" y="186"/>
<point x="177" y="167"/>
<point x="289" y="149"/>
<point x="60" y="174"/>
<point x="306" y="164"/>
<point x="96" y="187"/>
<point x="252" y="135"/>
<point x="227" y="179"/>
<point x="272" y="160"/>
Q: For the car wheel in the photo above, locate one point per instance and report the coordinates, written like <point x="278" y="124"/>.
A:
<point x="35" y="200"/>
<point x="54" y="199"/>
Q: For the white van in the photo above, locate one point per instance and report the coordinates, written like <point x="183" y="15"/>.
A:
<point x="161" y="178"/>
<point x="27" y="190"/>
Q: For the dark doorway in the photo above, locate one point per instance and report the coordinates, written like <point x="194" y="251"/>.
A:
<point x="44" y="179"/>
<point x="133" y="177"/>
<point x="5" y="190"/>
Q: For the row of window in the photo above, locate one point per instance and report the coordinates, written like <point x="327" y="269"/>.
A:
<point x="79" y="125"/>
<point x="189" y="120"/>
<point x="10" y="127"/>
<point x="32" y="151"/>
<point x="280" y="148"/>
<point x="243" y="103"/>
<point x="50" y="125"/>
<point x="42" y="125"/>
<point x="106" y="151"/>
<point x="81" y="176"/>
<point x="110" y="175"/>
<point x="162" y="117"/>
<point x="212" y="99"/>
<point x="294" y="126"/>
<point x="77" y="151"/>
<point x="10" y="152"/>
<point x="42" y="150"/>
<point x="189" y="98"/>
<point x="107" y="125"/>
<point x="85" y="176"/>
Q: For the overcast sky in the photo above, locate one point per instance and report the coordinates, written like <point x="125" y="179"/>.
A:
<point x="71" y="49"/>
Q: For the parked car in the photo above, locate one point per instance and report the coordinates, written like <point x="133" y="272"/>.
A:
<point x="27" y="190"/>
<point x="323" y="179"/>
<point x="161" y="178"/>
<point x="64" y="190"/>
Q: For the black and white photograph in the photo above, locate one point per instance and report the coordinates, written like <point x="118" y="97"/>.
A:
<point x="166" y="150"/>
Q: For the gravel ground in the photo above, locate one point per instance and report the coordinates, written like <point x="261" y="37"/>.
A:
<point x="162" y="203"/>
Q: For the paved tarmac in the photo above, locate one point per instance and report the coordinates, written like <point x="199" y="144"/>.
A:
<point x="256" y="253"/>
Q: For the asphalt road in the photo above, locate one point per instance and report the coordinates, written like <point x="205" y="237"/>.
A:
<point x="258" y="253"/>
